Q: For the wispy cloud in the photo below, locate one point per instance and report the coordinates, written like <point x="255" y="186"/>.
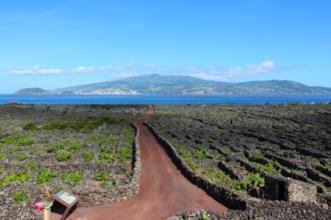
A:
<point x="221" y="73"/>
<point x="37" y="70"/>
<point x="120" y="71"/>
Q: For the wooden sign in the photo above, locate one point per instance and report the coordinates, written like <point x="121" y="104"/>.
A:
<point x="68" y="200"/>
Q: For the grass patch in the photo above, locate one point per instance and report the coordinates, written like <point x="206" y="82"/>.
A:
<point x="125" y="154"/>
<point x="45" y="175"/>
<point x="55" y="148"/>
<point x="72" y="177"/>
<point x="64" y="156"/>
<point x="19" y="196"/>
<point x="101" y="176"/>
<point x="201" y="154"/>
<point x="106" y="155"/>
<point x="21" y="177"/>
<point x="88" y="124"/>
<point x="32" y="164"/>
<point x="22" y="157"/>
<point x="30" y="127"/>
<point x="21" y="140"/>
<point x="88" y="155"/>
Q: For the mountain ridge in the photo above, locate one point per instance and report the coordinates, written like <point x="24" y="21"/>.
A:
<point x="175" y="84"/>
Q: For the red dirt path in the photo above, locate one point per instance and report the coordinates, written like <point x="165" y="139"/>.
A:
<point x="164" y="191"/>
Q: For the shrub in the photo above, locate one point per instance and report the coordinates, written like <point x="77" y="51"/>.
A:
<point x="25" y="141"/>
<point x="106" y="155"/>
<point x="55" y="148"/>
<point x="45" y="175"/>
<point x="19" y="196"/>
<point x="21" y="177"/>
<point x="88" y="155"/>
<point x="22" y="157"/>
<point x="2" y="155"/>
<point x="72" y="177"/>
<point x="63" y="156"/>
<point x="32" y="164"/>
<point x="20" y="139"/>
<point x="30" y="127"/>
<point x="74" y="147"/>
<point x="101" y="176"/>
<point x="125" y="154"/>
<point x="269" y="167"/>
<point x="201" y="154"/>
<point x="36" y="149"/>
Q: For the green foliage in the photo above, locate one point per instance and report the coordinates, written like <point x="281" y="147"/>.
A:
<point x="19" y="139"/>
<point x="215" y="175"/>
<point x="64" y="156"/>
<point x="15" y="149"/>
<point x="128" y="135"/>
<point x="55" y="148"/>
<point x="125" y="154"/>
<point x="21" y="177"/>
<point x="22" y="157"/>
<point x="19" y="196"/>
<point x="36" y="149"/>
<point x="25" y="141"/>
<point x="201" y="154"/>
<point x="88" y="124"/>
<point x="106" y="155"/>
<point x="269" y="167"/>
<point x="204" y="216"/>
<point x="101" y="176"/>
<point x="72" y="177"/>
<point x="253" y="180"/>
<point x="32" y="164"/>
<point x="74" y="147"/>
<point x="45" y="175"/>
<point x="187" y="157"/>
<point x="2" y="155"/>
<point x="113" y="179"/>
<point x="328" y="165"/>
<point x="30" y="127"/>
<point x="88" y="155"/>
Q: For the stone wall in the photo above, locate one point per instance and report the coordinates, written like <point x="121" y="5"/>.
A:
<point x="219" y="192"/>
<point x="266" y="210"/>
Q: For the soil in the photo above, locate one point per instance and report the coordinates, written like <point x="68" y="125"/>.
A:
<point x="164" y="191"/>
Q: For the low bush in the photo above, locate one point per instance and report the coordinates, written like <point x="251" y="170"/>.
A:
<point x="19" y="196"/>
<point x="45" y="175"/>
<point x="72" y="177"/>
<point x="55" y="148"/>
<point x="32" y="164"/>
<point x="125" y="154"/>
<point x="30" y="127"/>
<point x="22" y="157"/>
<point x="101" y="176"/>
<point x="88" y="155"/>
<point x="64" y="156"/>
<point x="106" y="155"/>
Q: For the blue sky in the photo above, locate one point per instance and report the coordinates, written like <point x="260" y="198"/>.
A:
<point x="59" y="43"/>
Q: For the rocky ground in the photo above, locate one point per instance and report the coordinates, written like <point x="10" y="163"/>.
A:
<point x="85" y="149"/>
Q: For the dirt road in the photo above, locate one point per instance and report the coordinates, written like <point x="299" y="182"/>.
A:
<point x="164" y="191"/>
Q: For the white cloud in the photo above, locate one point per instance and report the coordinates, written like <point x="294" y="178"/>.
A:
<point x="120" y="71"/>
<point x="37" y="70"/>
<point x="220" y="73"/>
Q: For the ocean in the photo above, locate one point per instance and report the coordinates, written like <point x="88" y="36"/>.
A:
<point x="163" y="99"/>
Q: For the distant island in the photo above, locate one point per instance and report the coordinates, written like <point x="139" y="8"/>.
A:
<point x="171" y="84"/>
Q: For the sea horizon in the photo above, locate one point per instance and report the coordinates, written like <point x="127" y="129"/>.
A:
<point x="175" y="99"/>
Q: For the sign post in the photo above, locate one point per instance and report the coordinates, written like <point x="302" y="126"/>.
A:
<point x="67" y="200"/>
